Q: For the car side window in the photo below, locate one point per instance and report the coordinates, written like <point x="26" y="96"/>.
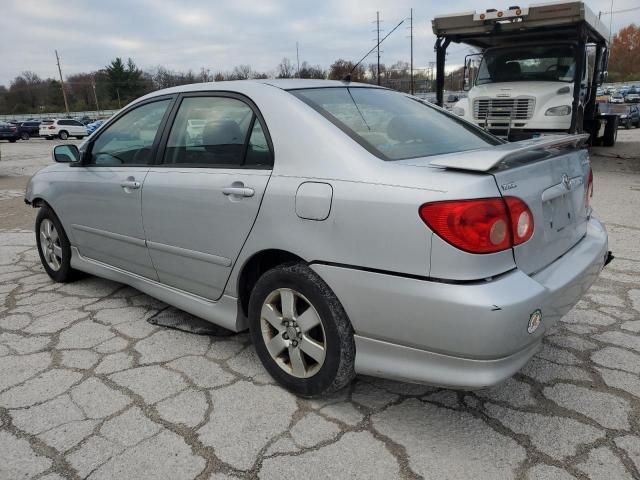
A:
<point x="129" y="139"/>
<point x="209" y="132"/>
<point x="258" y="153"/>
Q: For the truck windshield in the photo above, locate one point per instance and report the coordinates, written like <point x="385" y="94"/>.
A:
<point x="552" y="63"/>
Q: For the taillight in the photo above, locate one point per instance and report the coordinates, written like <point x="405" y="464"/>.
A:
<point x="521" y="220"/>
<point x="483" y="225"/>
<point x="52" y="127"/>
<point x="588" y="194"/>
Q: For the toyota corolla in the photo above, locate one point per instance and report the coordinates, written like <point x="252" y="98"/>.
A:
<point x="352" y="229"/>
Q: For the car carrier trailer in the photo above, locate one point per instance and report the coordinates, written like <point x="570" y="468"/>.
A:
<point x="539" y="71"/>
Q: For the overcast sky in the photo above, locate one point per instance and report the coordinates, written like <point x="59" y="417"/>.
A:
<point x="183" y="34"/>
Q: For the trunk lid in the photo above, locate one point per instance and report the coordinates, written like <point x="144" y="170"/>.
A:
<point x="550" y="175"/>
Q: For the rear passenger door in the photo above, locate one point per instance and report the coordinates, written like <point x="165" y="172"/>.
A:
<point x="200" y="201"/>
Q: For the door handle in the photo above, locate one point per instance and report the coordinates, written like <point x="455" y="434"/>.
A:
<point x="130" y="184"/>
<point x="239" y="191"/>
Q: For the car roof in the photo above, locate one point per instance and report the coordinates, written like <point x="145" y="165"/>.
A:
<point x="240" y="86"/>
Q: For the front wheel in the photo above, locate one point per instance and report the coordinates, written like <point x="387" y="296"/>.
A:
<point x="63" y="135"/>
<point x="301" y="332"/>
<point x="24" y="136"/>
<point x="54" y="247"/>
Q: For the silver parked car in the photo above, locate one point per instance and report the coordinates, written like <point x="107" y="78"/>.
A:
<point x="351" y="228"/>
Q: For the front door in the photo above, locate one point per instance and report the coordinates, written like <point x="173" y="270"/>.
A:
<point x="200" y="203"/>
<point x="103" y="203"/>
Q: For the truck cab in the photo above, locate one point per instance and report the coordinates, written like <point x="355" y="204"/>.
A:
<point x="525" y="90"/>
<point x="538" y="73"/>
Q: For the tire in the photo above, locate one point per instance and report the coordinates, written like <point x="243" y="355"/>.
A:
<point x="610" y="132"/>
<point x="24" y="136"/>
<point x="315" y="302"/>
<point x="59" y="270"/>
<point x="13" y="140"/>
<point x="63" y="135"/>
<point x="627" y="125"/>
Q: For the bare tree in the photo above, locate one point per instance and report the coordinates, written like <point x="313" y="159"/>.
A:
<point x="285" y="69"/>
<point x="242" y="72"/>
<point x="308" y="71"/>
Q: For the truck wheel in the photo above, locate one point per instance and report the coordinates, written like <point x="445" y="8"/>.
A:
<point x="610" y="132"/>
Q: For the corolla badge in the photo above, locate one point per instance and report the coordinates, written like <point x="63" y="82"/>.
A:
<point x="508" y="186"/>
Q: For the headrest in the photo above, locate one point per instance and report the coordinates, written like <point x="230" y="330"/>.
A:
<point x="221" y="132"/>
<point x="403" y="128"/>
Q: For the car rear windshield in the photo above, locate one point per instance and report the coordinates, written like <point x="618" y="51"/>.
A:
<point x="392" y="125"/>
<point x="47" y="122"/>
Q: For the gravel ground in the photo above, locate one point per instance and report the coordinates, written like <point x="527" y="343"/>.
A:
<point x="89" y="389"/>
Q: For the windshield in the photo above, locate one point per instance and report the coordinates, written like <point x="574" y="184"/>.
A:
<point x="553" y="63"/>
<point x="391" y="125"/>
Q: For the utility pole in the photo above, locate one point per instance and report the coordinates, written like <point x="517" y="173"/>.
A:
<point x="411" y="28"/>
<point x="118" y="93"/>
<point x="64" y="94"/>
<point x="378" y="30"/>
<point x="95" y="95"/>
<point x="298" y="59"/>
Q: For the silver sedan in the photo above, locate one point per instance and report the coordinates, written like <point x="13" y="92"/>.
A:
<point x="351" y="229"/>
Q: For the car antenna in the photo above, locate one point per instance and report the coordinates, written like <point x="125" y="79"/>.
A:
<point x="347" y="77"/>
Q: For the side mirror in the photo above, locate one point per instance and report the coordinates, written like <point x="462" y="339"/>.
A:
<point x="66" y="154"/>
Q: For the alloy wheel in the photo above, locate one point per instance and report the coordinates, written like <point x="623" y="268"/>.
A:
<point x="50" y="244"/>
<point x="293" y="333"/>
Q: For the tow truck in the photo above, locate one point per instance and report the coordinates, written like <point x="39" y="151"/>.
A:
<point x="539" y="70"/>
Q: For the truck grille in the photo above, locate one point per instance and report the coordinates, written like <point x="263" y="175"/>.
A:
<point x="504" y="108"/>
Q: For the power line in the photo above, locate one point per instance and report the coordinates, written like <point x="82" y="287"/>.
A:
<point x="619" y="11"/>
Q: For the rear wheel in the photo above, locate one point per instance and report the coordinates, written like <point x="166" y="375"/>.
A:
<point x="54" y="247"/>
<point x="301" y="332"/>
<point x="63" y="135"/>
<point x="24" y="135"/>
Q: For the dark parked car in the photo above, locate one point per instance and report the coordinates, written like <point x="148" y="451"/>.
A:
<point x="29" y="129"/>
<point x="9" y="132"/>
<point x="629" y="114"/>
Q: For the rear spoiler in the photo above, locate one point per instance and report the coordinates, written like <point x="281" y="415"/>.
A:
<point x="487" y="159"/>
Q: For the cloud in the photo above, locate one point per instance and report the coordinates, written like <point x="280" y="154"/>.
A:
<point x="184" y="34"/>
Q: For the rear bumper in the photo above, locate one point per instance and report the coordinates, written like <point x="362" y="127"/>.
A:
<point x="460" y="335"/>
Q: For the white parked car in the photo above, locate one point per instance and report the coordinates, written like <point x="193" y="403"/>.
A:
<point x="62" y="128"/>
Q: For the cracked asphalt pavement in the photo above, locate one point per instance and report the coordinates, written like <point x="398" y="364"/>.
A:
<point x="90" y="389"/>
